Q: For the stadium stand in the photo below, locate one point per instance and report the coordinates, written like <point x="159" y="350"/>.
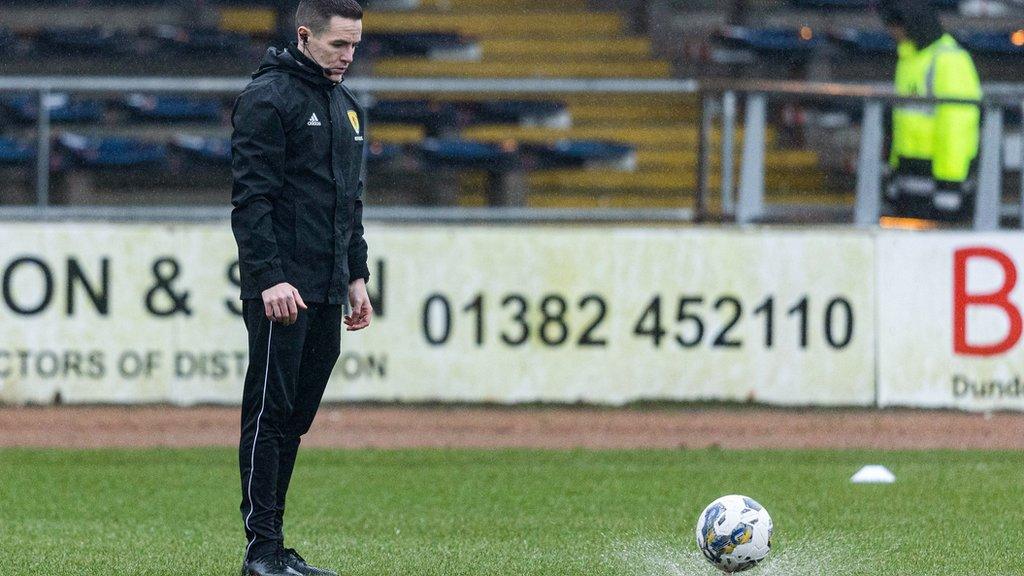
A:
<point x="574" y="149"/>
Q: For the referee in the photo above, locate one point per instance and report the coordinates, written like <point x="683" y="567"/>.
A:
<point x="298" y="166"/>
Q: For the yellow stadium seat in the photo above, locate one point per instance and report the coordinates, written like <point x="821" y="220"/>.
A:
<point x="397" y="133"/>
<point x="248" y="20"/>
<point x="549" y="24"/>
<point x="555" y="68"/>
<point x="663" y="137"/>
<point x="625" y="48"/>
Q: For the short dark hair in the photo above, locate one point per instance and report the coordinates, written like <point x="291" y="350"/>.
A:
<point x="315" y="14"/>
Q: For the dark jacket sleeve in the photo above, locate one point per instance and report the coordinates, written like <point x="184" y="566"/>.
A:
<point x="357" y="248"/>
<point x="257" y="167"/>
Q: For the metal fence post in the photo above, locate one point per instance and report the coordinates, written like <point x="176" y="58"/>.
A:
<point x="751" y="201"/>
<point x="43" y="150"/>
<point x="988" y="202"/>
<point x="868" y="203"/>
<point x="707" y="120"/>
<point x="1021" y="223"/>
<point x="728" y="151"/>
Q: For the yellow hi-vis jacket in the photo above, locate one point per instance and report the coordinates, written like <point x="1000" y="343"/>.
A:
<point x="946" y="134"/>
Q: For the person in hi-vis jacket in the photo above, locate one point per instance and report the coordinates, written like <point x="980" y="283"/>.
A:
<point x="934" y="147"/>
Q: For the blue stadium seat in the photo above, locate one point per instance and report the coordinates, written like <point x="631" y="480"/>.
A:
<point x="203" y="150"/>
<point x="382" y="152"/>
<point x="861" y="4"/>
<point x="15" y="153"/>
<point x="176" y="39"/>
<point x="851" y="4"/>
<point x="63" y="108"/>
<point x="112" y="152"/>
<point x="522" y="112"/>
<point x="436" y="44"/>
<point x="173" y="108"/>
<point x="866" y="41"/>
<point x="213" y="151"/>
<point x="83" y="41"/>
<point x="432" y="115"/>
<point x="582" y="153"/>
<point x="993" y="43"/>
<point x="467" y="154"/>
<point x="771" y="40"/>
<point x="7" y="39"/>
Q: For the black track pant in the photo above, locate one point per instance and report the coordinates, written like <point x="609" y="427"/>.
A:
<point x="288" y="371"/>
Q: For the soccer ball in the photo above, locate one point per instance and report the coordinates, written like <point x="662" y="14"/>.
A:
<point x="734" y="533"/>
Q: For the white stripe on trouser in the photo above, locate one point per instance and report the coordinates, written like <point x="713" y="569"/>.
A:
<point x="252" y="462"/>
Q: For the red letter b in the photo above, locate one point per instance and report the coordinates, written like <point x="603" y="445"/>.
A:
<point x="999" y="299"/>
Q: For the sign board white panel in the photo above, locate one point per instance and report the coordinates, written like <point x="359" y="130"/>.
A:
<point x="606" y="314"/>
<point x="949" y="320"/>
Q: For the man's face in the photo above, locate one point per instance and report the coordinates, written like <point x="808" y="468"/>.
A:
<point x="335" y="47"/>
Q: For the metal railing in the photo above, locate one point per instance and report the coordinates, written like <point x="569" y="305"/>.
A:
<point x="749" y="204"/>
<point x="742" y="200"/>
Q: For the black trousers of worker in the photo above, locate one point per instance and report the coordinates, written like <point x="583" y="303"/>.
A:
<point x="288" y="371"/>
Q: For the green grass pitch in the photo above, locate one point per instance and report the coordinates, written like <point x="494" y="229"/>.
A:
<point x="511" y="513"/>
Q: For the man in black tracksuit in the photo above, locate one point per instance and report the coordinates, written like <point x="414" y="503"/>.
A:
<point x="298" y="168"/>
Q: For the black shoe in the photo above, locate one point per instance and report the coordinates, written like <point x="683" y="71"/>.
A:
<point x="292" y="559"/>
<point x="270" y="565"/>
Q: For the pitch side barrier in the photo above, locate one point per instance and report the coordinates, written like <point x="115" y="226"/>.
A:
<point x="603" y="313"/>
<point x="742" y="199"/>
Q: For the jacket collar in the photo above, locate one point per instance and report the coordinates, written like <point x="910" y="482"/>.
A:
<point x="292" y="61"/>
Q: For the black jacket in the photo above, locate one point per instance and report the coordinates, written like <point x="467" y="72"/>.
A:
<point x="297" y="158"/>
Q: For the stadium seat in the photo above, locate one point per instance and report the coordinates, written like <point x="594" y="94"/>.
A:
<point x="397" y="133"/>
<point x="609" y="49"/>
<point x="15" y="153"/>
<point x="440" y="45"/>
<point x="111" y="152"/>
<point x="203" y="150"/>
<point x="672" y="137"/>
<point x="173" y="108"/>
<point x="583" y="154"/>
<point x="216" y="151"/>
<point x="380" y="152"/>
<point x="861" y="4"/>
<point x="550" y="68"/>
<point x="62" y="108"/>
<point x="7" y="39"/>
<point x="433" y="116"/>
<point x="526" y="112"/>
<point x="191" y="41"/>
<point x="390" y="4"/>
<point x="466" y="154"/>
<point x="865" y="41"/>
<point x="436" y="116"/>
<point x="790" y="41"/>
<point x="833" y="4"/>
<point x="83" y="41"/>
<point x="498" y="23"/>
<point x="1009" y="43"/>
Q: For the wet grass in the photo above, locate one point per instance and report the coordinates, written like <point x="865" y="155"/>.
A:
<point x="516" y="513"/>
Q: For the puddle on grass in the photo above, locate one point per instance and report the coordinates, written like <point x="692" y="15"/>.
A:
<point x="827" y="556"/>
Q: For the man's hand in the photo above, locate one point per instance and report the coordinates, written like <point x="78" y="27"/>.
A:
<point x="282" y="303"/>
<point x="362" y="311"/>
